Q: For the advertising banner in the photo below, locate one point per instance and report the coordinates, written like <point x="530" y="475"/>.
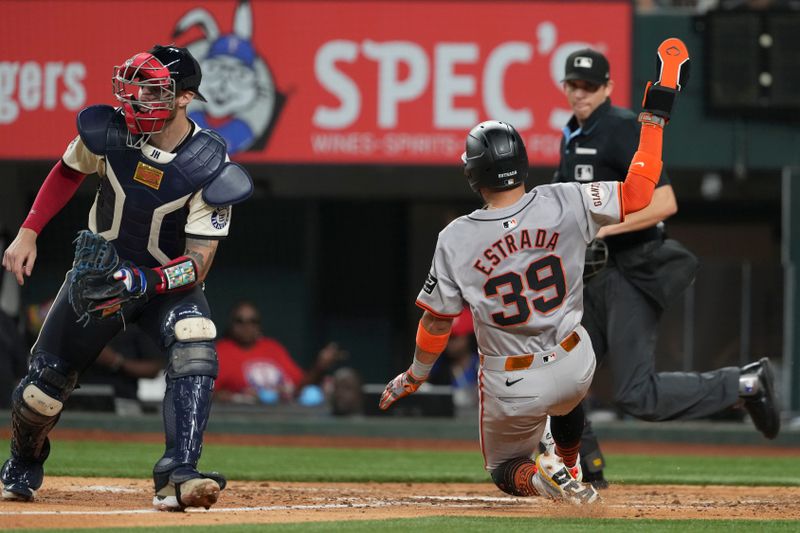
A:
<point x="315" y="82"/>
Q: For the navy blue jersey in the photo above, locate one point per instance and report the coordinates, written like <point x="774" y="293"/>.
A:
<point x="148" y="201"/>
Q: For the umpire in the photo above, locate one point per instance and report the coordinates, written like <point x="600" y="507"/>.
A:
<point x="633" y="271"/>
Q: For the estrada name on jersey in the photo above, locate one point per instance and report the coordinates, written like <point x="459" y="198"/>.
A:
<point x="520" y="267"/>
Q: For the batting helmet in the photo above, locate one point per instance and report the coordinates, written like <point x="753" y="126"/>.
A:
<point x="495" y="157"/>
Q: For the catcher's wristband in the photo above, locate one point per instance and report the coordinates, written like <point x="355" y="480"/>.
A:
<point x="177" y="275"/>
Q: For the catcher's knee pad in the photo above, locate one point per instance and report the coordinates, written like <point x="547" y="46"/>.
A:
<point x="36" y="404"/>
<point x="187" y="323"/>
<point x="42" y="393"/>
<point x="515" y="477"/>
<point x="189" y="335"/>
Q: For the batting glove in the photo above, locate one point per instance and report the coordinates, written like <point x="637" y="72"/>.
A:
<point x="399" y="387"/>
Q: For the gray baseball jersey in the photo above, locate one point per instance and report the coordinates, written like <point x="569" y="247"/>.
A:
<point x="520" y="267"/>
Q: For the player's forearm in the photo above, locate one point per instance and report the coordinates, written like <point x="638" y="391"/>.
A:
<point x="202" y="252"/>
<point x="432" y="336"/>
<point x="662" y="206"/>
<point x="645" y="169"/>
<point x="58" y="187"/>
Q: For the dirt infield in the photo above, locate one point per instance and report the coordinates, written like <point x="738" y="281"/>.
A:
<point x="113" y="502"/>
<point x="68" y="502"/>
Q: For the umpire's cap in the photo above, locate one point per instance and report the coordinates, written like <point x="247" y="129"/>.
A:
<point x="589" y="65"/>
<point x="495" y="157"/>
<point x="182" y="66"/>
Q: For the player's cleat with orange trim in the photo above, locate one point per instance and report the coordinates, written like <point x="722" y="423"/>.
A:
<point x="762" y="403"/>
<point x="554" y="480"/>
<point x="672" y="69"/>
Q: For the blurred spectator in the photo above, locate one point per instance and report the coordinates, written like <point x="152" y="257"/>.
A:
<point x="346" y="394"/>
<point x="459" y="363"/>
<point x="131" y="355"/>
<point x="254" y="368"/>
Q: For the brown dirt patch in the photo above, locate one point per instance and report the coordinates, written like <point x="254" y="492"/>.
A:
<point x="69" y="502"/>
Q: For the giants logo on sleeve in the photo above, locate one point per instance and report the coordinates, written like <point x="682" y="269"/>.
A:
<point x="430" y="284"/>
<point x="596" y="194"/>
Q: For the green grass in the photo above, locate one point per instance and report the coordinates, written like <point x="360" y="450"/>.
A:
<point x="482" y="524"/>
<point x="89" y="458"/>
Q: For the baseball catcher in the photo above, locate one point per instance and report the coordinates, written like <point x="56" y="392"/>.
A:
<point x="163" y="203"/>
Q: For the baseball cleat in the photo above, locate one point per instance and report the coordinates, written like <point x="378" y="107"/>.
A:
<point x="763" y="405"/>
<point x="554" y="480"/>
<point x="21" y="480"/>
<point x="193" y="490"/>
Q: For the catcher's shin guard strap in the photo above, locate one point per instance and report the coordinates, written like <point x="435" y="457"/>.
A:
<point x="429" y="342"/>
<point x="178" y="274"/>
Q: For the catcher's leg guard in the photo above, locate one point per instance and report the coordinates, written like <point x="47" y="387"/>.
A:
<point x="187" y="404"/>
<point x="36" y="405"/>
<point x="516" y="477"/>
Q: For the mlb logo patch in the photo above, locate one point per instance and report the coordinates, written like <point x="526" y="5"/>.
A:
<point x="584" y="172"/>
<point x="510" y="224"/>
<point x="582" y="62"/>
<point x="549" y="358"/>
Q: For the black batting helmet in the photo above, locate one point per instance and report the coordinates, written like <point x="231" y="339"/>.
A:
<point x="495" y="157"/>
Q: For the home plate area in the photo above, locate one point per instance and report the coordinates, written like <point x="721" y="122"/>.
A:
<point x="114" y="502"/>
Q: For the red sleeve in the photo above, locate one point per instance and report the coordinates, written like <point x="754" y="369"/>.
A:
<point x="228" y="366"/>
<point x="58" y="187"/>
<point x="290" y="369"/>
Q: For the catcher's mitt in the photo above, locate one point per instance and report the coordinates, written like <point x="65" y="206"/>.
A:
<point x="93" y="291"/>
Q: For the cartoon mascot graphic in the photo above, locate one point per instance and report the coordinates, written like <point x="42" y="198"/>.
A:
<point x="243" y="102"/>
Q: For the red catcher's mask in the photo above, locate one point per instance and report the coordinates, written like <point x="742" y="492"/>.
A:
<point x="147" y="93"/>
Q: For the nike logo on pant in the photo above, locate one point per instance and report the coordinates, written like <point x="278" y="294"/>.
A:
<point x="509" y="383"/>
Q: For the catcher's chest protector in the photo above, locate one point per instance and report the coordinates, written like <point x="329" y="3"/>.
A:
<point x="142" y="201"/>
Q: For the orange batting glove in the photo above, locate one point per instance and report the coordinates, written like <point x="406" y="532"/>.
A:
<point x="400" y="387"/>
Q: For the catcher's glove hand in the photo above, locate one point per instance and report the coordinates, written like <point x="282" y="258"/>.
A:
<point x="100" y="286"/>
<point x="399" y="387"/>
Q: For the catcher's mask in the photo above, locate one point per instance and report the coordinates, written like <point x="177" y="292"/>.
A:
<point x="495" y="157"/>
<point x="146" y="85"/>
<point x="147" y="93"/>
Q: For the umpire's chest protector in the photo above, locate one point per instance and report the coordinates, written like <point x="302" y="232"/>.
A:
<point x="143" y="201"/>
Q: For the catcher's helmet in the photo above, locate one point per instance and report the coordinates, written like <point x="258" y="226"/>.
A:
<point x="146" y="86"/>
<point x="182" y="66"/>
<point x="495" y="157"/>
